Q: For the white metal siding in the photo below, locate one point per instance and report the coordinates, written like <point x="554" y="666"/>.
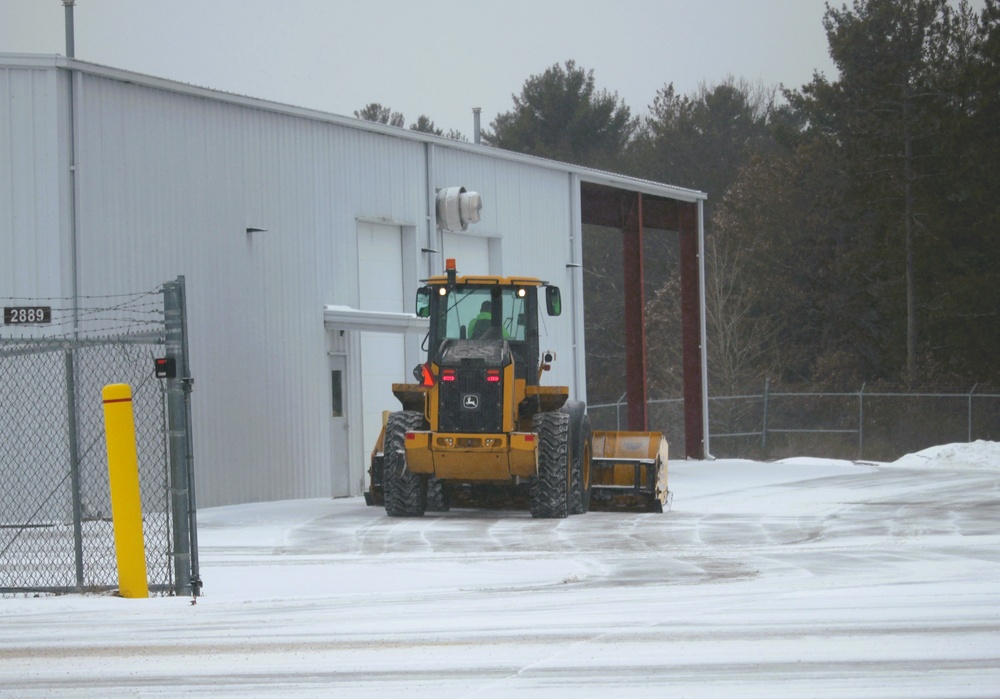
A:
<point x="169" y="184"/>
<point x="30" y="179"/>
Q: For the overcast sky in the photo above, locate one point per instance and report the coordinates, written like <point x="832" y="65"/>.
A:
<point x="440" y="58"/>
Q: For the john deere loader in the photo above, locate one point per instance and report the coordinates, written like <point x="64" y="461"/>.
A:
<point x="480" y="428"/>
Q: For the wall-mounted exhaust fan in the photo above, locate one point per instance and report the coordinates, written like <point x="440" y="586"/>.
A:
<point x="456" y="208"/>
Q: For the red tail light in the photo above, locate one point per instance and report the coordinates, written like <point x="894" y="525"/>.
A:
<point x="493" y="375"/>
<point x="447" y="374"/>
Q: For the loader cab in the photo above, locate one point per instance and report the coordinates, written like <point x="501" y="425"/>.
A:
<point x="486" y="311"/>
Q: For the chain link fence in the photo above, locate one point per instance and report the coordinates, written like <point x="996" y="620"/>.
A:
<point x="56" y="532"/>
<point x="861" y="425"/>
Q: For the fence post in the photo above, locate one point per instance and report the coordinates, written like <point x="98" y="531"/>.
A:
<point x="970" y="411"/>
<point x="763" y="429"/>
<point x="74" y="465"/>
<point x="179" y="485"/>
<point x="861" y="422"/>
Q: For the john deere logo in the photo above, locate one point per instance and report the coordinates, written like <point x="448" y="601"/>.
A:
<point x="470" y="401"/>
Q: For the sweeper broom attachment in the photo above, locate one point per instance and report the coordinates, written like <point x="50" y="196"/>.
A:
<point x="628" y="471"/>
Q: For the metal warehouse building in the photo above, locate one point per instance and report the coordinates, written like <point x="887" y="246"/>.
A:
<point x="301" y="236"/>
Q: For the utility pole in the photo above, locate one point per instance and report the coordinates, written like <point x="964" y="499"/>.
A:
<point x="70" y="39"/>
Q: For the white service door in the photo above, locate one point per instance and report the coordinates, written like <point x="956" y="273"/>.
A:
<point x="380" y="268"/>
<point x="470" y="252"/>
<point x="339" y="405"/>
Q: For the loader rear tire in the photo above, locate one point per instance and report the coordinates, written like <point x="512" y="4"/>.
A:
<point x="405" y="492"/>
<point x="550" y="488"/>
<point x="580" y="443"/>
<point x="580" y="486"/>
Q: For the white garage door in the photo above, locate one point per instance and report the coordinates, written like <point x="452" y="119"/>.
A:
<point x="380" y="267"/>
<point x="470" y="252"/>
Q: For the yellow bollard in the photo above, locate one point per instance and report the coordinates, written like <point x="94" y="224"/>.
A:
<point x="123" y="475"/>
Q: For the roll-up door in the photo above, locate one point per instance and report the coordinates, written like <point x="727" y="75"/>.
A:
<point x="470" y="252"/>
<point x="380" y="267"/>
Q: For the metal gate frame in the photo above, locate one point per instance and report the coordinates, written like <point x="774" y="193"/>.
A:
<point x="55" y="524"/>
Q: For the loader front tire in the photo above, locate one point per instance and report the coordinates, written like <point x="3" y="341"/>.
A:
<point x="405" y="492"/>
<point x="438" y="497"/>
<point x="550" y="487"/>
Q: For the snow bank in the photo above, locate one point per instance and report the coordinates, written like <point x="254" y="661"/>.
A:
<point x="979" y="456"/>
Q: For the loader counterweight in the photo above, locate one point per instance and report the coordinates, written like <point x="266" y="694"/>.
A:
<point x="488" y="457"/>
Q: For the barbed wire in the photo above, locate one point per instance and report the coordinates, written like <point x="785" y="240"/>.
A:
<point x="87" y="315"/>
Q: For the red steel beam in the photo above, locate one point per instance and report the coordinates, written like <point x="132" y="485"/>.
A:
<point x="635" y="325"/>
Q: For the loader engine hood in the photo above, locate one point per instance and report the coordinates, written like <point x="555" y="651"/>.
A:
<point x="469" y="353"/>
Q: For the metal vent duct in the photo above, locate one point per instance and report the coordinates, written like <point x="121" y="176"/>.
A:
<point x="457" y="208"/>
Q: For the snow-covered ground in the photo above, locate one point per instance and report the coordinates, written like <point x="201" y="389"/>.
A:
<point x="802" y="578"/>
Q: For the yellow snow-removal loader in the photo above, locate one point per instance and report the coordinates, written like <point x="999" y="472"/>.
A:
<point x="480" y="429"/>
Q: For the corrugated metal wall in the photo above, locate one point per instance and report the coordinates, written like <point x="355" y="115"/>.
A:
<point x="31" y="171"/>
<point x="169" y="179"/>
<point x="169" y="184"/>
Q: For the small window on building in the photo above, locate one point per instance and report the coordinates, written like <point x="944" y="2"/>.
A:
<point x="336" y="381"/>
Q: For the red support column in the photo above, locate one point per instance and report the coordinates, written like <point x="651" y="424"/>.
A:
<point x="635" y="321"/>
<point x="694" y="433"/>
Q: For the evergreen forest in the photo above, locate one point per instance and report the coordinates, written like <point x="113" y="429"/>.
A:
<point x="852" y="223"/>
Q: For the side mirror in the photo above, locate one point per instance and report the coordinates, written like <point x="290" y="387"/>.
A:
<point x="424" y="302"/>
<point x="553" y="301"/>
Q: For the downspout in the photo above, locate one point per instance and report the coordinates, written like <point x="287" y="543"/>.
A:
<point x="704" y="330"/>
<point x="430" y="249"/>
<point x="575" y="268"/>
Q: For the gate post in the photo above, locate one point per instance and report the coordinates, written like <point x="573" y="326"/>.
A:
<point x="177" y="429"/>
